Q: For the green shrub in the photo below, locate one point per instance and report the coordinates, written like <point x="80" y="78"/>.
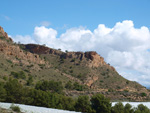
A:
<point x="143" y="94"/>
<point x="126" y="90"/>
<point x="142" y="109"/>
<point x="118" y="108"/>
<point x="83" y="104"/>
<point x="30" y="81"/>
<point x="127" y="82"/>
<point x="50" y="85"/>
<point x="101" y="81"/>
<point x="15" y="108"/>
<point x="5" y="78"/>
<point x="69" y="85"/>
<point x="101" y="104"/>
<point x="128" y="108"/>
<point x="3" y="93"/>
<point x="78" y="87"/>
<point x="73" y="60"/>
<point x="19" y="75"/>
<point x="9" y="61"/>
<point x="41" y="66"/>
<point x="71" y="71"/>
<point x="14" y="91"/>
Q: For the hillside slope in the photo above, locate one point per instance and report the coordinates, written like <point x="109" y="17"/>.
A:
<point x="87" y="70"/>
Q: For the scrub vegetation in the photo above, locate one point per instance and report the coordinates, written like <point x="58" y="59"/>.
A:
<point x="14" y="92"/>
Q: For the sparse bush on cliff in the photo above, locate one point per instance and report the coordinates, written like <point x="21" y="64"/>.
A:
<point x="19" y="75"/>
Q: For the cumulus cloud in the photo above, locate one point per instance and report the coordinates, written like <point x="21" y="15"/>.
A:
<point x="123" y="46"/>
<point x="23" y="39"/>
<point x="44" y="35"/>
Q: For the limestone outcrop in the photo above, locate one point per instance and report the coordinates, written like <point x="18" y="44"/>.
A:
<point x="3" y="34"/>
<point x="95" y="60"/>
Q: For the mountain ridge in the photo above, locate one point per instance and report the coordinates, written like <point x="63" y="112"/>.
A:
<point x="88" y="69"/>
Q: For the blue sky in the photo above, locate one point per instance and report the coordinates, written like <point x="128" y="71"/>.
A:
<point x="118" y="30"/>
<point x="24" y="15"/>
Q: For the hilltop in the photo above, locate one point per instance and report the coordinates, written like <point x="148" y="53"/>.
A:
<point x="81" y="73"/>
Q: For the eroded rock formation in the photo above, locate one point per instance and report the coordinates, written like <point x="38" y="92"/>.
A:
<point x="3" y="34"/>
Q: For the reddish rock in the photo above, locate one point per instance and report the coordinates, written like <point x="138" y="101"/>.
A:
<point x="41" y="49"/>
<point x="95" y="60"/>
<point x="14" y="50"/>
<point x="4" y="34"/>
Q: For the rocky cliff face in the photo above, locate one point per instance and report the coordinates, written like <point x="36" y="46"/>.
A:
<point x="15" y="51"/>
<point x="4" y="34"/>
<point x="39" y="49"/>
<point x="94" y="59"/>
<point x="9" y="49"/>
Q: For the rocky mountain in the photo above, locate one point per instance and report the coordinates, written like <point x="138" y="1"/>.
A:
<point x="86" y="69"/>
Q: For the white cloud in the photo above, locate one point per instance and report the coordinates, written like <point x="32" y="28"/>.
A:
<point x="44" y="35"/>
<point x="23" y="39"/>
<point x="45" y="23"/>
<point x="123" y="46"/>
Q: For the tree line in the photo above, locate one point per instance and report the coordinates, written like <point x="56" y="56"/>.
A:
<point x="48" y="94"/>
